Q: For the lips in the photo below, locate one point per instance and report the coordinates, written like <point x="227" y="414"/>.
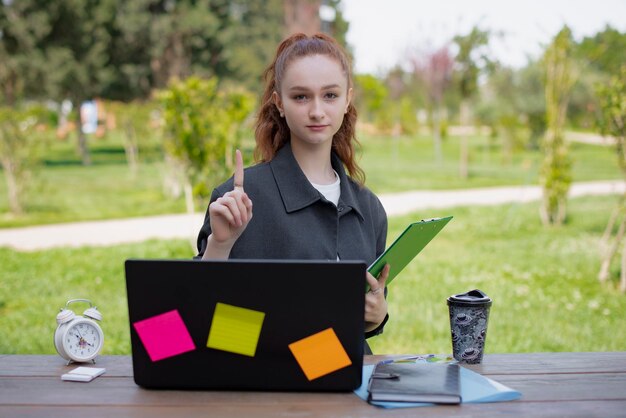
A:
<point x="316" y="128"/>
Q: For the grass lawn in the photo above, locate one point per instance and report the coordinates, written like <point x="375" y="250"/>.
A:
<point x="401" y="164"/>
<point x="65" y="191"/>
<point x="542" y="280"/>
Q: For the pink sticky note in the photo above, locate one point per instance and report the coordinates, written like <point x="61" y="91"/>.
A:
<point x="164" y="335"/>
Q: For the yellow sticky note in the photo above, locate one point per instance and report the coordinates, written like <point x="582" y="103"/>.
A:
<point x="235" y="329"/>
<point x="320" y="354"/>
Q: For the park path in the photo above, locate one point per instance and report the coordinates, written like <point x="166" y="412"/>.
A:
<point x="185" y="226"/>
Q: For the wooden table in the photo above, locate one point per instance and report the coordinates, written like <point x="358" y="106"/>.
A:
<point x="552" y="384"/>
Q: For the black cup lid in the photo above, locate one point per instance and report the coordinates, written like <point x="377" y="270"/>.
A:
<point x="473" y="297"/>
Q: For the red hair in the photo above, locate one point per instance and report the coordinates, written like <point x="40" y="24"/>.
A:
<point x="272" y="132"/>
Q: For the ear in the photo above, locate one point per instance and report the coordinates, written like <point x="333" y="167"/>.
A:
<point x="278" y="103"/>
<point x="350" y="92"/>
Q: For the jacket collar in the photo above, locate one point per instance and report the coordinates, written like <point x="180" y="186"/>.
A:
<point x="295" y="189"/>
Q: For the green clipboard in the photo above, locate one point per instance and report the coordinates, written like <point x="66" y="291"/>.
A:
<point x="404" y="249"/>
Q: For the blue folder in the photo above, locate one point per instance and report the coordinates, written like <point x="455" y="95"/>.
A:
<point x="475" y="388"/>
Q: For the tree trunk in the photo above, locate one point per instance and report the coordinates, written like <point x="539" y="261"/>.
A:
<point x="189" y="197"/>
<point x="13" y="190"/>
<point x="172" y="178"/>
<point x="603" y="275"/>
<point x="130" y="146"/>
<point x="179" y="64"/>
<point x="561" y="211"/>
<point x="622" y="281"/>
<point x="556" y="168"/>
<point x="543" y="210"/>
<point x="83" y="149"/>
<point x="604" y="241"/>
<point x="507" y="146"/>
<point x="173" y="62"/>
<point x="10" y="88"/>
<point x="437" y="133"/>
<point x="464" y="151"/>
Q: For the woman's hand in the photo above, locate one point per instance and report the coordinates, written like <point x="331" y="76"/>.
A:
<point x="230" y="214"/>
<point x="375" y="302"/>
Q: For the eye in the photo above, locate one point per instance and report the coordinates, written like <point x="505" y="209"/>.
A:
<point x="331" y="96"/>
<point x="300" y="97"/>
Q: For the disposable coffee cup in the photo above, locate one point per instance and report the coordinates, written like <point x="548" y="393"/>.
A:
<point x="469" y="314"/>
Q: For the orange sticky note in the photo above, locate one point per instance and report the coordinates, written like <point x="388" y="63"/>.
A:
<point x="320" y="354"/>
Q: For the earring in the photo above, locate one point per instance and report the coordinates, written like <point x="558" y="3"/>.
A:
<point x="282" y="115"/>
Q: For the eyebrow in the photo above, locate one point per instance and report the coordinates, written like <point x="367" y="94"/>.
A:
<point x="302" y="88"/>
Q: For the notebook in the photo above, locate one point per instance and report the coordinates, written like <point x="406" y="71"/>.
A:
<point x="411" y="241"/>
<point x="246" y="324"/>
<point x="415" y="382"/>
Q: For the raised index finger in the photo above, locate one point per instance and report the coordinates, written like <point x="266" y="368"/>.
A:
<point x="238" y="171"/>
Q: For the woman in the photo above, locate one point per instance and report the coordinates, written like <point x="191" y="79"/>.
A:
<point x="305" y="205"/>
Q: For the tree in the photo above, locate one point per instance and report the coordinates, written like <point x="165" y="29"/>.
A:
<point x="134" y="121"/>
<point x="154" y="41"/>
<point x="532" y="102"/>
<point x="370" y="95"/>
<point x="470" y="61"/>
<point x="601" y="54"/>
<point x="404" y="98"/>
<point x="18" y="37"/>
<point x="605" y="51"/>
<point x="246" y="40"/>
<point x="555" y="173"/>
<point x="612" y="121"/>
<point x="61" y="49"/>
<point x="18" y="150"/>
<point x="434" y="68"/>
<point x="408" y="117"/>
<point x="339" y="26"/>
<point x="233" y="40"/>
<point x="501" y="109"/>
<point x="20" y="62"/>
<point x="121" y="50"/>
<point x="202" y="129"/>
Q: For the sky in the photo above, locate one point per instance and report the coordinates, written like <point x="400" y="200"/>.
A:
<point x="382" y="32"/>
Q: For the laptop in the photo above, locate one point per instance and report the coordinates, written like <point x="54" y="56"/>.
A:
<point x="272" y="325"/>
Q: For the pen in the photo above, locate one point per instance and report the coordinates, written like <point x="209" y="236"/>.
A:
<point x="385" y="376"/>
<point x="393" y="360"/>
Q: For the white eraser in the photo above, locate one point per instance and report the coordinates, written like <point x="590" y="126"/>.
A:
<point x="89" y="371"/>
<point x="83" y="374"/>
<point x="76" y="377"/>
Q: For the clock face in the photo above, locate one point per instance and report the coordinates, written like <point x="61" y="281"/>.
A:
<point x="82" y="341"/>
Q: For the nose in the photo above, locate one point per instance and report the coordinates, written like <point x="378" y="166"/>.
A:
<point x="316" y="111"/>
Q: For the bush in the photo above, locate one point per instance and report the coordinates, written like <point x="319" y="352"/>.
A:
<point x="202" y="130"/>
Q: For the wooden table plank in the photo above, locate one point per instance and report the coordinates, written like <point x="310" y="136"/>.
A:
<point x="560" y="387"/>
<point x="123" y="391"/>
<point x="543" y="363"/>
<point x="574" y="409"/>
<point x="493" y="364"/>
<point x="553" y="385"/>
<point x="55" y="366"/>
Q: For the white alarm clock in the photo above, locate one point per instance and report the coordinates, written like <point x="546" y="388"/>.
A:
<point x="79" y="338"/>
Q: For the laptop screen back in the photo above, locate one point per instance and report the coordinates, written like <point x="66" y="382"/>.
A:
<point x="246" y="325"/>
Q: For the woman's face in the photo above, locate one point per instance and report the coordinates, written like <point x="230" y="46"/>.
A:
<point x="314" y="98"/>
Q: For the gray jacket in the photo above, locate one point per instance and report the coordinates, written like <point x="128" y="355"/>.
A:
<point x="292" y="220"/>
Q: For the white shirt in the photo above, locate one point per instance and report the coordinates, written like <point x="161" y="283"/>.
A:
<point x="330" y="191"/>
